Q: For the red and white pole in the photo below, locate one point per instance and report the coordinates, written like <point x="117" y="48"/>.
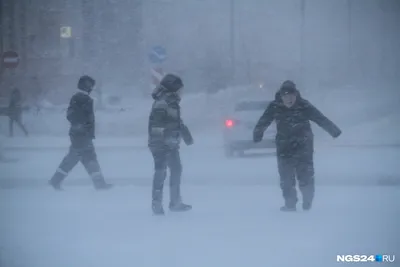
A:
<point x="157" y="73"/>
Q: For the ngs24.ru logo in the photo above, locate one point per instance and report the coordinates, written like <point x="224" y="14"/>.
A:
<point x="365" y="258"/>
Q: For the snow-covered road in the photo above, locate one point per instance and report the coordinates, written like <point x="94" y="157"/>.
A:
<point x="204" y="163"/>
<point x="229" y="226"/>
<point x="235" y="220"/>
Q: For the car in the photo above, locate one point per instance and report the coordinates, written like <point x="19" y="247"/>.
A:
<point x="239" y="126"/>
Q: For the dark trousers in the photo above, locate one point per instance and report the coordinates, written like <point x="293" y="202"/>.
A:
<point x="299" y="166"/>
<point x="81" y="150"/>
<point x="163" y="159"/>
<point x="18" y="120"/>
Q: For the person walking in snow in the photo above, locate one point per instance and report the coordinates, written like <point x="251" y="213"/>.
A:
<point x="165" y="131"/>
<point x="15" y="112"/>
<point x="80" y="114"/>
<point x="294" y="142"/>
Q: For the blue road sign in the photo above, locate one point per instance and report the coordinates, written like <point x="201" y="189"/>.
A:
<point x="158" y="54"/>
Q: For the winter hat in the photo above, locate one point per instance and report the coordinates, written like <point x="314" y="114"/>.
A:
<point x="86" y="83"/>
<point x="288" y="87"/>
<point x="171" y="82"/>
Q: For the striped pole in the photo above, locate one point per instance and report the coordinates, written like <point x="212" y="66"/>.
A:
<point x="157" y="73"/>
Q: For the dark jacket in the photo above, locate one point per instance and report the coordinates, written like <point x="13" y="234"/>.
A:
<point x="15" y="104"/>
<point x="294" y="135"/>
<point x="80" y="114"/>
<point x="165" y="127"/>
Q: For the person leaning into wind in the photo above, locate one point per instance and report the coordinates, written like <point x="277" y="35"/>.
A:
<point x="294" y="142"/>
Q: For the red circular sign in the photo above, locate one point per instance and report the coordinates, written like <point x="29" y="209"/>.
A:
<point x="10" y="59"/>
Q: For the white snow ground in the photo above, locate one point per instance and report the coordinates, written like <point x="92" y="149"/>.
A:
<point x="229" y="226"/>
<point x="235" y="220"/>
<point x="204" y="163"/>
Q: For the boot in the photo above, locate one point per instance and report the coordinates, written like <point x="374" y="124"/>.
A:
<point x="56" y="186"/>
<point x="179" y="206"/>
<point x="56" y="180"/>
<point x="99" y="183"/>
<point x="176" y="203"/>
<point x="157" y="208"/>
<point x="288" y="208"/>
<point x="290" y="205"/>
<point x="307" y="205"/>
<point x="156" y="203"/>
<point x="307" y="190"/>
<point x="103" y="186"/>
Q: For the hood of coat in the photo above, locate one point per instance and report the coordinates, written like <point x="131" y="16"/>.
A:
<point x="169" y="89"/>
<point x="161" y="93"/>
<point x="287" y="87"/>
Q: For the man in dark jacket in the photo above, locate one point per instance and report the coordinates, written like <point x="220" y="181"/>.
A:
<point x="294" y="142"/>
<point x="15" y="112"/>
<point x="166" y="129"/>
<point x="81" y="116"/>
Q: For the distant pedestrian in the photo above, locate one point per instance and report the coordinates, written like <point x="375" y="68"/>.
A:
<point x="81" y="116"/>
<point x="15" y="112"/>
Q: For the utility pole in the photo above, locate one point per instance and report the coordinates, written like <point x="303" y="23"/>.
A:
<point x="302" y="43"/>
<point x="23" y="33"/>
<point x="8" y="36"/>
<point x="1" y="35"/>
<point x="232" y="40"/>
<point x="11" y="24"/>
<point x="349" y="40"/>
<point x="88" y="34"/>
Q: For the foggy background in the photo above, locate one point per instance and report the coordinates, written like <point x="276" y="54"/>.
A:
<point x="212" y="44"/>
<point x="336" y="51"/>
<point x="343" y="55"/>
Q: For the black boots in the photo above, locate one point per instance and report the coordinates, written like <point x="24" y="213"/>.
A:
<point x="288" y="208"/>
<point x="99" y="183"/>
<point x="102" y="186"/>
<point x="57" y="179"/>
<point x="56" y="185"/>
<point x="175" y="205"/>
<point x="178" y="207"/>
<point x="306" y="207"/>
<point x="158" y="208"/>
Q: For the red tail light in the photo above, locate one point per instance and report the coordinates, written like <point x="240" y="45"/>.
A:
<point x="229" y="123"/>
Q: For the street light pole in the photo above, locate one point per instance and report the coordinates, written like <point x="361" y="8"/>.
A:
<point x="302" y="45"/>
<point x="349" y="33"/>
<point x="1" y="36"/>
<point x="89" y="43"/>
<point x="232" y="40"/>
<point x="22" y="34"/>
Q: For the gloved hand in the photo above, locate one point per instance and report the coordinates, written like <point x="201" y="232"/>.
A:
<point x="257" y="136"/>
<point x="337" y="134"/>
<point x="188" y="141"/>
<point x="186" y="135"/>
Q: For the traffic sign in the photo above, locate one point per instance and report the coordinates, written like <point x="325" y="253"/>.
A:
<point x="66" y="32"/>
<point x="10" y="59"/>
<point x="158" y="54"/>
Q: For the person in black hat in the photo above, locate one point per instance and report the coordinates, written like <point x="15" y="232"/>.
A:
<point x="165" y="131"/>
<point x="80" y="114"/>
<point x="294" y="142"/>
